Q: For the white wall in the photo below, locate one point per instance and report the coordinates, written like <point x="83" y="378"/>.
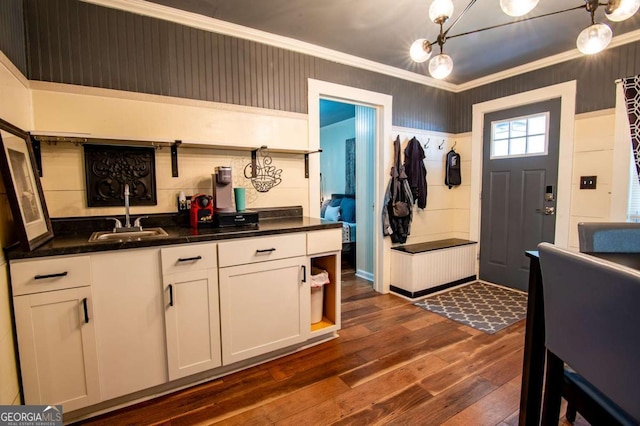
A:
<point x="60" y="108"/>
<point x="447" y="211"/>
<point x="593" y="156"/>
<point x="15" y="107"/>
<point x="332" y="158"/>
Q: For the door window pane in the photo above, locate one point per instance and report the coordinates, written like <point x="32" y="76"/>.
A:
<point x="535" y="144"/>
<point x="501" y="131"/>
<point x="501" y="148"/>
<point x="518" y="128"/>
<point x="537" y="125"/>
<point x="520" y="136"/>
<point x="518" y="146"/>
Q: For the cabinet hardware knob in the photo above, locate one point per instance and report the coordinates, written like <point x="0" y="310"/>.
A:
<point x="266" y="250"/>
<point x="58" y="275"/>
<point x="170" y="294"/>
<point x="189" y="259"/>
<point x="86" y="310"/>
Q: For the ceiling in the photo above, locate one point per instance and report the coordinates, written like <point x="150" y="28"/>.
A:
<point x="333" y="112"/>
<point x="383" y="30"/>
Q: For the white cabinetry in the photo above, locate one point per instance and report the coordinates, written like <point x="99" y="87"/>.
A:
<point x="127" y="286"/>
<point x="191" y="309"/>
<point x="56" y="331"/>
<point x="107" y="325"/>
<point x="264" y="295"/>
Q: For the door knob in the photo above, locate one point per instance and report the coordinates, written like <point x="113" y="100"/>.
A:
<point x="549" y="211"/>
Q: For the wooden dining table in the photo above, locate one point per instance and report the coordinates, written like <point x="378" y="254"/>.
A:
<point x="534" y="340"/>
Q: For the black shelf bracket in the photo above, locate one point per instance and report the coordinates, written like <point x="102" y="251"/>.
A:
<point x="37" y="153"/>
<point x="174" y="158"/>
<point x="254" y="166"/>
<point x="306" y="162"/>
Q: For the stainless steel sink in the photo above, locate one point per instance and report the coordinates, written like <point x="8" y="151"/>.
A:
<point x="145" y="234"/>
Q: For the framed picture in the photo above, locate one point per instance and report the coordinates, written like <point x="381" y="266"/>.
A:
<point x="18" y="167"/>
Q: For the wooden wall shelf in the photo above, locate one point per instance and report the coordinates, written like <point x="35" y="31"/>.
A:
<point x="79" y="139"/>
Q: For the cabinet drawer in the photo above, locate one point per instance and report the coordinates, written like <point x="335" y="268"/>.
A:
<point x="323" y="241"/>
<point x="48" y="274"/>
<point x="261" y="249"/>
<point x="192" y="257"/>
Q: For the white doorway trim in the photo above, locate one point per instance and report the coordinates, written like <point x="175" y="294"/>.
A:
<point x="382" y="164"/>
<point x="567" y="93"/>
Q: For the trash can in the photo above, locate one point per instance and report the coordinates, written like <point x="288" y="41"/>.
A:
<point x="319" y="278"/>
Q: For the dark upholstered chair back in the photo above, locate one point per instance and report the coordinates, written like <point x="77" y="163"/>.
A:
<point x="592" y="315"/>
<point x="609" y="237"/>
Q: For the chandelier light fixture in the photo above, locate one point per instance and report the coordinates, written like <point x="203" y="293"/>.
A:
<point x="593" y="39"/>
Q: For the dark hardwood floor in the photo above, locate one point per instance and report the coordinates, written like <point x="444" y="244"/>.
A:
<point x="393" y="363"/>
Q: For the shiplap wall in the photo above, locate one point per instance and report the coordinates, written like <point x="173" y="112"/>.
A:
<point x="12" y="39"/>
<point x="79" y="43"/>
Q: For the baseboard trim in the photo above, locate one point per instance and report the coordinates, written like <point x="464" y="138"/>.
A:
<point x="421" y="293"/>
<point x="364" y="275"/>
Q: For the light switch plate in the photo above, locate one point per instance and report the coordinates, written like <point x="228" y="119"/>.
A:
<point x="588" y="182"/>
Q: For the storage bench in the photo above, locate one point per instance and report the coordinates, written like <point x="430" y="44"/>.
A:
<point x="424" y="268"/>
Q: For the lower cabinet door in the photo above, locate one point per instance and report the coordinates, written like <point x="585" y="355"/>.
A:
<point x="58" y="355"/>
<point x="263" y="307"/>
<point x="127" y="285"/>
<point x="192" y="322"/>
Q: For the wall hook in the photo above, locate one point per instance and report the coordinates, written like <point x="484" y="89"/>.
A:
<point x="454" y="145"/>
<point x="426" y="145"/>
<point x="441" y="145"/>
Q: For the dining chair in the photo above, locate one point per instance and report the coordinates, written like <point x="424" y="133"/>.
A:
<point x="606" y="237"/>
<point x="591" y="317"/>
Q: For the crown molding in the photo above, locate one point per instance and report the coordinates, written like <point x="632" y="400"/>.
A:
<point x="194" y="20"/>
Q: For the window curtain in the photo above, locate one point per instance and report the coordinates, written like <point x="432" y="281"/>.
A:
<point x="631" y="88"/>
<point x="350" y="166"/>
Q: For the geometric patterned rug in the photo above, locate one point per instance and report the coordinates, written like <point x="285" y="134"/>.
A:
<point x="485" y="307"/>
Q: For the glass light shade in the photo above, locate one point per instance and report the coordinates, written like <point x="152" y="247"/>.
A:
<point x="518" y="7"/>
<point x="440" y="9"/>
<point x="594" y="39"/>
<point x="420" y="50"/>
<point x="440" y="66"/>
<point x="625" y="10"/>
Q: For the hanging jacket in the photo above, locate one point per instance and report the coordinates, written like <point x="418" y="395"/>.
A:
<point x="398" y="200"/>
<point x="416" y="172"/>
<point x="452" y="175"/>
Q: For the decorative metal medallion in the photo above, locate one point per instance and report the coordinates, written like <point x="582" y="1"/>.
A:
<point x="263" y="175"/>
<point x="108" y="168"/>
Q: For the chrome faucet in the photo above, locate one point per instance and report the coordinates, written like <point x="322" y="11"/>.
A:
<point x="127" y="222"/>
<point x="118" y="226"/>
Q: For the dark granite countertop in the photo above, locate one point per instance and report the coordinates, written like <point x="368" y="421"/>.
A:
<point x="77" y="242"/>
<point x="432" y="245"/>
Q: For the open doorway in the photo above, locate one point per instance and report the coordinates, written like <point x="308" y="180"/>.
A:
<point x="381" y="104"/>
<point x="347" y="141"/>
